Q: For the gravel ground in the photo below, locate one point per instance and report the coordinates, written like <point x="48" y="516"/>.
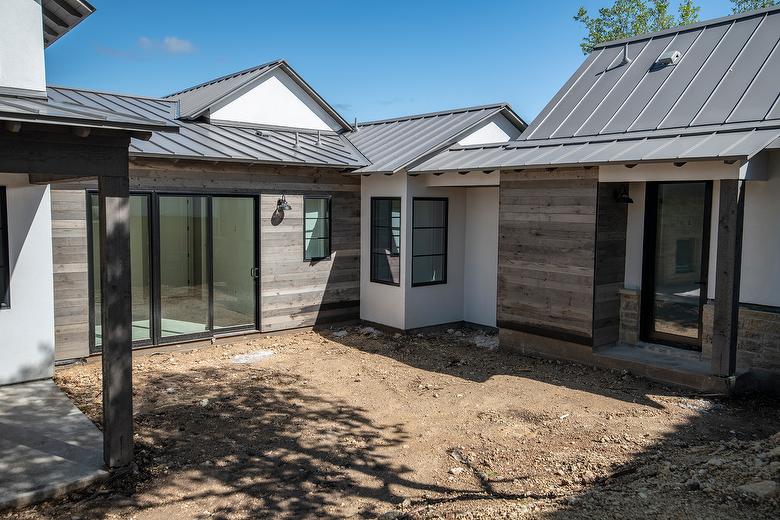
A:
<point x="354" y="423"/>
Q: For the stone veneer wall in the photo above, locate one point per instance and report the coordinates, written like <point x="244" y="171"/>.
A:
<point x="758" y="341"/>
<point x="629" y="316"/>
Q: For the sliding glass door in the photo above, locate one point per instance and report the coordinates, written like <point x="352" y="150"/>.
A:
<point x="194" y="266"/>
<point x="140" y="267"/>
<point x="233" y="229"/>
<point x="183" y="265"/>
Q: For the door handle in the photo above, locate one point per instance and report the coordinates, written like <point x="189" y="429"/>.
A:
<point x="254" y="272"/>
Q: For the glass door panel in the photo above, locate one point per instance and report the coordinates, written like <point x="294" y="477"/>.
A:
<point x="140" y="267"/>
<point x="233" y="225"/>
<point x="184" y="269"/>
<point x="678" y="260"/>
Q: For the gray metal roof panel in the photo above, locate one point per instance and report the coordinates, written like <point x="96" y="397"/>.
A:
<point x="728" y="72"/>
<point x="742" y="144"/>
<point x="395" y="144"/>
<point x="203" y="140"/>
<point x="196" y="101"/>
<point x="37" y="110"/>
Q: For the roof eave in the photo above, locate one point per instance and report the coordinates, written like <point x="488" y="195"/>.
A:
<point x="502" y="108"/>
<point x="180" y="157"/>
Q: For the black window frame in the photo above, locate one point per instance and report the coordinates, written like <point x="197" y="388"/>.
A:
<point x="157" y="339"/>
<point x="5" y="268"/>
<point x="328" y="198"/>
<point x="446" y="201"/>
<point x="373" y="276"/>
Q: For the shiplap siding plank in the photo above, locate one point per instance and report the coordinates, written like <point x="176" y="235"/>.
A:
<point x="547" y="252"/>
<point x="293" y="292"/>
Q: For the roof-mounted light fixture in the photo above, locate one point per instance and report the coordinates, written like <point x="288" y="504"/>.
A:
<point x="670" y="57"/>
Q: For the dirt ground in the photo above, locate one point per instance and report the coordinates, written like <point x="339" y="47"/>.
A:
<point x="358" y="424"/>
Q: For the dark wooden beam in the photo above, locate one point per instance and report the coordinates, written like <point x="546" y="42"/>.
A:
<point x="48" y="153"/>
<point x="68" y="8"/>
<point x="114" y="195"/>
<point x="728" y="260"/>
<point x="53" y="18"/>
<point x="54" y="179"/>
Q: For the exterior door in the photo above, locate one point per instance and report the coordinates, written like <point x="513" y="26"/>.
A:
<point x="674" y="285"/>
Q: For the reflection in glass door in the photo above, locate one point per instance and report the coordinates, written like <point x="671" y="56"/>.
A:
<point x="676" y="259"/>
<point x="140" y="268"/>
<point x="233" y="243"/>
<point x="201" y="253"/>
<point x="184" y="269"/>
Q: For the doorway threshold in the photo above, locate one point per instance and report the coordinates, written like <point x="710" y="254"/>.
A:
<point x="661" y="363"/>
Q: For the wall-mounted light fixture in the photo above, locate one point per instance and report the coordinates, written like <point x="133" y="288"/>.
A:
<point x="282" y="204"/>
<point x="621" y="196"/>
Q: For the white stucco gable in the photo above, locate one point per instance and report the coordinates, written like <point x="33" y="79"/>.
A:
<point x="496" y="129"/>
<point x="277" y="101"/>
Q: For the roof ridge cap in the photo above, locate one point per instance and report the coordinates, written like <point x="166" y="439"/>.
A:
<point x="690" y="27"/>
<point x="111" y="93"/>
<point x="434" y="114"/>
<point x="224" y="77"/>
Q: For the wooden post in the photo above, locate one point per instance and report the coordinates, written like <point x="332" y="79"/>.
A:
<point x="727" y="277"/>
<point x="114" y="194"/>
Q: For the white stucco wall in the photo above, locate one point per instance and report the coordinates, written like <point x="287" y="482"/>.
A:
<point x="277" y="101"/>
<point x="760" y="282"/>
<point x="380" y="303"/>
<point x="497" y="129"/>
<point x="480" y="272"/>
<point x="472" y="257"/>
<point x="442" y="303"/>
<point x="27" y="327"/>
<point x="21" y="46"/>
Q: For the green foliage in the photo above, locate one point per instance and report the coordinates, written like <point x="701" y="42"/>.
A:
<point x="740" y="6"/>
<point x="626" y="18"/>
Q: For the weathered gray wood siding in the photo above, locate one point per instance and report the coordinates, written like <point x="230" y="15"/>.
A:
<point x="293" y="292"/>
<point x="297" y="293"/>
<point x="71" y="287"/>
<point x="610" y="263"/>
<point x="546" y="252"/>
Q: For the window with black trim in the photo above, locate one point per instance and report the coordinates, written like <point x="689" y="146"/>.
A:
<point x="316" y="228"/>
<point x="5" y="268"/>
<point x="386" y="240"/>
<point x="429" y="241"/>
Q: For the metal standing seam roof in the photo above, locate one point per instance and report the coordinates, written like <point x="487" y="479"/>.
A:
<point x="729" y="72"/>
<point x="723" y="145"/>
<point x="35" y="110"/>
<point x="720" y="100"/>
<point x="202" y="140"/>
<point x="396" y="144"/>
<point x="60" y="16"/>
<point x="196" y="101"/>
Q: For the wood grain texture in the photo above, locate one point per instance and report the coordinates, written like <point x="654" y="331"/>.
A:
<point x="547" y="244"/>
<point x="293" y="292"/>
<point x="71" y="289"/>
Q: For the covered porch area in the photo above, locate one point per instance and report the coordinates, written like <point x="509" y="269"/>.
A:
<point x="47" y="446"/>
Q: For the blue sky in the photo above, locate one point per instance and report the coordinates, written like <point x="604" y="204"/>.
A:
<point x="369" y="59"/>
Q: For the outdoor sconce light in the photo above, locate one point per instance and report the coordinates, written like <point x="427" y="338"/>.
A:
<point x="282" y="204"/>
<point x="621" y="196"/>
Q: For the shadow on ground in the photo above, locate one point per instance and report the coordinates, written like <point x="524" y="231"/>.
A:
<point x="455" y="354"/>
